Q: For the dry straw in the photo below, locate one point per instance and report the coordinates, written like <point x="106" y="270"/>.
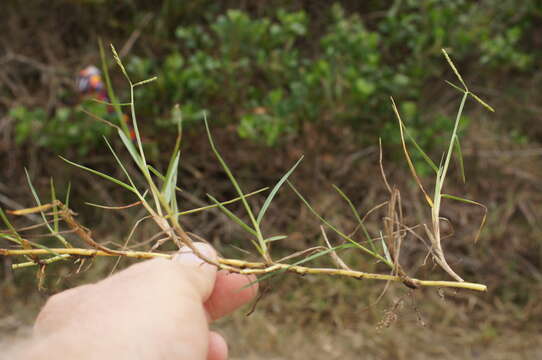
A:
<point x="158" y="196"/>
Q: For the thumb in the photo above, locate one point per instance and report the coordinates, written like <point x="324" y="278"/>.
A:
<point x="200" y="273"/>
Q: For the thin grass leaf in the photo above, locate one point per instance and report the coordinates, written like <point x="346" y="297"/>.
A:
<point x="105" y="176"/>
<point x="191" y="211"/>
<point x="99" y="119"/>
<point x="457" y="198"/>
<point x="273" y="192"/>
<point x="37" y="199"/>
<point x="174" y="209"/>
<point x="460" y="158"/>
<point x="356" y="214"/>
<point x="450" y="148"/>
<point x="10" y="238"/>
<point x="472" y="202"/>
<point x="132" y="184"/>
<point x="420" y="150"/>
<point x="53" y="201"/>
<point x="385" y="248"/>
<point x="341" y="234"/>
<point x="67" y="200"/>
<point x="17" y="238"/>
<point x="155" y="172"/>
<point x="129" y="145"/>
<point x="171" y="178"/>
<point x="122" y="207"/>
<point x="233" y="216"/>
<point x="143" y="82"/>
<point x="275" y="238"/>
<point x="234" y="182"/>
<point x="160" y="176"/>
<point x="228" y="171"/>
<point x="143" y="165"/>
<point x="56" y="217"/>
<point x="407" y="155"/>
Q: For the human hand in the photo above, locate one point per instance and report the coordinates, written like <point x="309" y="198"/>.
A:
<point x="157" y="309"/>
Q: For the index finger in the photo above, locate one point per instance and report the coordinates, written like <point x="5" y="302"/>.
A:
<point x="231" y="291"/>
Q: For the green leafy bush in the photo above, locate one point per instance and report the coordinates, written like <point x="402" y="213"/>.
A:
<point x="66" y="127"/>
<point x="270" y="74"/>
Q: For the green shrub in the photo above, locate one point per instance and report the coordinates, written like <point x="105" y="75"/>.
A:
<point x="66" y="127"/>
<point x="270" y="74"/>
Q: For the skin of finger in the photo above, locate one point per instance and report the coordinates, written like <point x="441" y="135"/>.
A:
<point x="149" y="305"/>
<point x="230" y="292"/>
<point x="80" y="299"/>
<point x="218" y="348"/>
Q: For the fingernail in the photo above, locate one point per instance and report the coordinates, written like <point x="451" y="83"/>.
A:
<point x="186" y="256"/>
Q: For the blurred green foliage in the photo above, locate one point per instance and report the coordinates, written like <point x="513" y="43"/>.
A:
<point x="65" y="127"/>
<point x="269" y="74"/>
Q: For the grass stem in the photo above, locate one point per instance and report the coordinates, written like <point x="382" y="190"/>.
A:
<point x="239" y="266"/>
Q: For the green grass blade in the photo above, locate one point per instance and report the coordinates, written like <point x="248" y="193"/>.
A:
<point x="13" y="239"/>
<point x="191" y="211"/>
<point x="341" y="234"/>
<point x="55" y="208"/>
<point x="36" y="199"/>
<point x="275" y="238"/>
<point x="129" y="145"/>
<point x="170" y="181"/>
<point x="228" y="171"/>
<point x="67" y="200"/>
<point x="169" y="186"/>
<point x="407" y="155"/>
<point x="6" y="221"/>
<point x="460" y="158"/>
<point x="420" y="150"/>
<point x="356" y="214"/>
<point x="442" y="176"/>
<point x="160" y="176"/>
<point x="105" y="176"/>
<point x="117" y="159"/>
<point x="38" y="202"/>
<point x="471" y="202"/>
<point x="274" y="191"/>
<point x="457" y="198"/>
<point x="233" y="216"/>
<point x="259" y="236"/>
<point x="385" y="249"/>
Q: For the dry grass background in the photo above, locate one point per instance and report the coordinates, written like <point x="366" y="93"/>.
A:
<point x="326" y="318"/>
